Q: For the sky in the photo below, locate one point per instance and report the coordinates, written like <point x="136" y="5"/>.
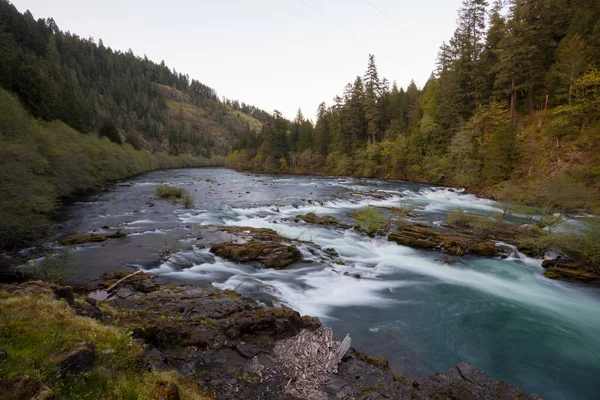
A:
<point x="274" y="54"/>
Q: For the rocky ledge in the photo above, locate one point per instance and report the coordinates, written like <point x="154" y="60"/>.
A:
<point x="239" y="350"/>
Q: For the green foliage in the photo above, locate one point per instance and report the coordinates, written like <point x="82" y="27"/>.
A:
<point x="93" y="88"/>
<point x="589" y="242"/>
<point x="41" y="162"/>
<point x="176" y="194"/>
<point x="34" y="328"/>
<point x="54" y="267"/>
<point x="460" y="219"/>
<point x="370" y="220"/>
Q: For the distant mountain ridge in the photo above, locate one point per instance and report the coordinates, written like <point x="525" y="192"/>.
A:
<point x="95" y="89"/>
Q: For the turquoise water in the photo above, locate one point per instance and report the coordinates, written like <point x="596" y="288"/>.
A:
<point x="500" y="315"/>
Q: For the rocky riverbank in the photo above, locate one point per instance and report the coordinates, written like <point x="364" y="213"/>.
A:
<point x="237" y="349"/>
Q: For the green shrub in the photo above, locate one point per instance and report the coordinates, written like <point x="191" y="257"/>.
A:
<point x="589" y="243"/>
<point x="165" y="191"/>
<point x="54" y="268"/>
<point x="178" y="195"/>
<point x="460" y="219"/>
<point x="370" y="220"/>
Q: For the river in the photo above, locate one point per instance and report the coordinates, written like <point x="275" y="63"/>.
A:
<point x="500" y="315"/>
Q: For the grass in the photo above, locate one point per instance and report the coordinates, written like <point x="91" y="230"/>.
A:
<point x="179" y="195"/>
<point x="370" y="220"/>
<point x="35" y="327"/>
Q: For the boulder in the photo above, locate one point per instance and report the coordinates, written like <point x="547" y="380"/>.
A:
<point x="571" y="270"/>
<point x="270" y="254"/>
<point x="76" y="361"/>
<point x="423" y="237"/>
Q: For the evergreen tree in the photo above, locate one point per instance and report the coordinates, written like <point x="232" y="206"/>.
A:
<point x="372" y="109"/>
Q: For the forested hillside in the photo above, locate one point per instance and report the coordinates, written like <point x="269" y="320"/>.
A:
<point x="95" y="89"/>
<point x="512" y="105"/>
<point x="75" y="114"/>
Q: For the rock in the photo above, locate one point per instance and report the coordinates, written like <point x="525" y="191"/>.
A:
<point x="466" y="382"/>
<point x="76" y="361"/>
<point x="236" y="349"/>
<point x="571" y="270"/>
<point x="40" y="287"/>
<point x="310" y="323"/>
<point x="270" y="254"/>
<point x="89" y="308"/>
<point x="24" y="388"/>
<point x="93" y="238"/>
<point x="278" y="323"/>
<point x="485" y="249"/>
<point x="312" y="218"/>
<point x="423" y="237"/>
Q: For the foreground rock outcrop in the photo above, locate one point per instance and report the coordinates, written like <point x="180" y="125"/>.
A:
<point x="239" y="350"/>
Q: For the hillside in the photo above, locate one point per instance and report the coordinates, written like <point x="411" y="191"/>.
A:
<point x="96" y="90"/>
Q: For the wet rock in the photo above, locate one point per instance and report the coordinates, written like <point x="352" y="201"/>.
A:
<point x="466" y="382"/>
<point x="312" y="218"/>
<point x="24" y="388"/>
<point x="74" y="240"/>
<point x="570" y="270"/>
<point x="162" y="336"/>
<point x="485" y="249"/>
<point x="76" y="361"/>
<point x="374" y="194"/>
<point x="237" y="349"/>
<point x="421" y="236"/>
<point x="270" y="254"/>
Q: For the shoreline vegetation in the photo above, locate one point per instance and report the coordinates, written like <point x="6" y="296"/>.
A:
<point x="42" y="162"/>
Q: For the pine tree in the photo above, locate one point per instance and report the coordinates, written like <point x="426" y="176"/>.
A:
<point x="373" y="88"/>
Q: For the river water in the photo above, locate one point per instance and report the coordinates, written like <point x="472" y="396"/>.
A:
<point x="500" y="315"/>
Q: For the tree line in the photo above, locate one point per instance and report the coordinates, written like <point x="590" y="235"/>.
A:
<point x="506" y="64"/>
<point x="60" y="76"/>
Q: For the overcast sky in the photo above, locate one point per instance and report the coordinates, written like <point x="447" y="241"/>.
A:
<point x="275" y="54"/>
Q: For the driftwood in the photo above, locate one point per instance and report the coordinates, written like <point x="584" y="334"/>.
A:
<point x="335" y="357"/>
<point x="122" y="279"/>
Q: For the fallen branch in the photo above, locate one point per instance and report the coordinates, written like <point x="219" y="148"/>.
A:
<point x="336" y="357"/>
<point x="122" y="279"/>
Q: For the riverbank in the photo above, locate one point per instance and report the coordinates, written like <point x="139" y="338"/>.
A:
<point x="196" y="343"/>
<point x="425" y="310"/>
<point x="44" y="162"/>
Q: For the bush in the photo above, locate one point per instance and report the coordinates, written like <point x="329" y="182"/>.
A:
<point x="460" y="219"/>
<point x="165" y="191"/>
<point x="54" y="268"/>
<point x="178" y="195"/>
<point x="370" y="220"/>
<point x="589" y="242"/>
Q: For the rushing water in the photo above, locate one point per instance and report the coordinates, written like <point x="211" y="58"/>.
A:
<point x="500" y="315"/>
